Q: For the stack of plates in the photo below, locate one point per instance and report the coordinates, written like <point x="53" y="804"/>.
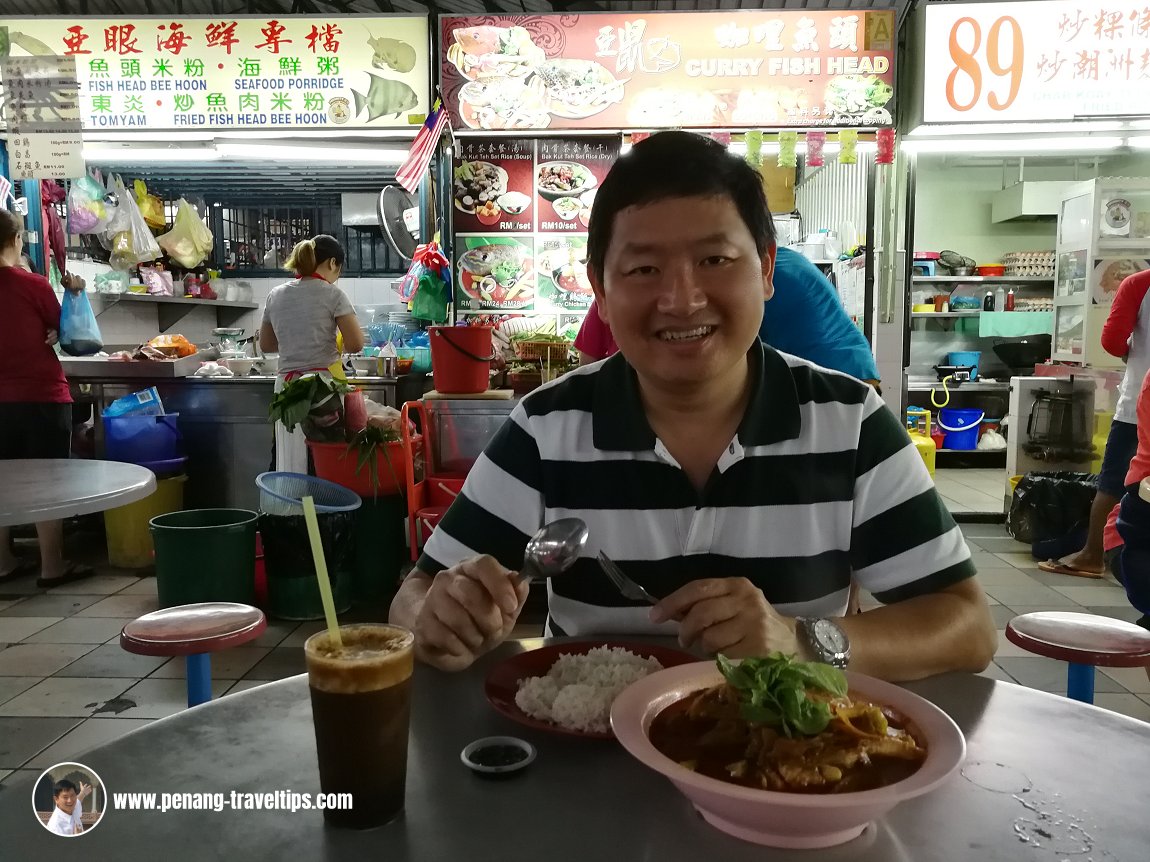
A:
<point x="403" y="319"/>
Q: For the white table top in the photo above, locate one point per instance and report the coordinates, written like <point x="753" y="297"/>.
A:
<point x="52" y="489"/>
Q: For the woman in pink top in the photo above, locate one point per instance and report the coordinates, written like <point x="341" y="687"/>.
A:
<point x="1139" y="470"/>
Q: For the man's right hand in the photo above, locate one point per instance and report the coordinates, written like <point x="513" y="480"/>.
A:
<point x="469" y="610"/>
<point x="73" y="283"/>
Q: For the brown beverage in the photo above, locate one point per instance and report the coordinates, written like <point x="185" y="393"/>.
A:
<point x="361" y="705"/>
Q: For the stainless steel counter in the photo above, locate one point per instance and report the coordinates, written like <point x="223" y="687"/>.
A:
<point x="224" y="421"/>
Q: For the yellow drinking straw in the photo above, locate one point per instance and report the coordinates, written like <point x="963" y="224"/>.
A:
<point x="321" y="571"/>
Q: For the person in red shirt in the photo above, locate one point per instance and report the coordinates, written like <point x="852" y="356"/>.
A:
<point x="35" y="404"/>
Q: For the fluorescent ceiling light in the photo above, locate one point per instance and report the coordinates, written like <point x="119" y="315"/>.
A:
<point x="1022" y="146"/>
<point x="371" y="155"/>
<point x="139" y="155"/>
<point x="1032" y="129"/>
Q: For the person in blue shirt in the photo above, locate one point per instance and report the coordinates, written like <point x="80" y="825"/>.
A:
<point x="804" y="317"/>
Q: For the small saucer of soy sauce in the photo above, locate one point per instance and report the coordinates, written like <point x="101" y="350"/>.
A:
<point x="498" y="756"/>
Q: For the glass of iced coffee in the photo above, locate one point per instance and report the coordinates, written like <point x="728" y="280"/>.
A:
<point x="361" y="705"/>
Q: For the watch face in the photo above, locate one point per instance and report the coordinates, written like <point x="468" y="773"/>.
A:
<point x="830" y="637"/>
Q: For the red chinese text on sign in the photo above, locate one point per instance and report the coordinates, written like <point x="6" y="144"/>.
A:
<point x="74" y="41"/>
<point x="273" y="36"/>
<point x="176" y="39"/>
<point x="121" y="39"/>
<point x="221" y="35"/>
<point x="324" y="38"/>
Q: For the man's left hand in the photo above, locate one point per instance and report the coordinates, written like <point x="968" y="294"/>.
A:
<point x="727" y="615"/>
<point x="52" y="338"/>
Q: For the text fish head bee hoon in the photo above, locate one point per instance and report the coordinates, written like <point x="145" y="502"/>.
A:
<point x="681" y="251"/>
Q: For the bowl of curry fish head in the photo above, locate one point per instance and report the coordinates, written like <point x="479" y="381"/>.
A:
<point x="784" y="753"/>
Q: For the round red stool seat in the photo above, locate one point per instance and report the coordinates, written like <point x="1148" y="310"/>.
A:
<point x="1081" y="638"/>
<point x="192" y="629"/>
<point x="1084" y="641"/>
<point x="431" y="515"/>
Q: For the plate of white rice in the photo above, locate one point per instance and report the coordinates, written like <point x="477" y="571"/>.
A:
<point x="569" y="687"/>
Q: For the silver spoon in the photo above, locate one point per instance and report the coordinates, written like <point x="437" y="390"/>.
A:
<point x="553" y="549"/>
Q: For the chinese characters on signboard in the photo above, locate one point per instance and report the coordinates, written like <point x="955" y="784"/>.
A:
<point x="42" y="114"/>
<point x="670" y="70"/>
<point x="246" y="73"/>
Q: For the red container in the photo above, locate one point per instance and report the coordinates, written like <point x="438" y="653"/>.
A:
<point x="992" y="269"/>
<point x="336" y="464"/>
<point x="461" y="358"/>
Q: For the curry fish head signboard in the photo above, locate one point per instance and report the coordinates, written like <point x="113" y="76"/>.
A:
<point x="1055" y="60"/>
<point x="669" y="70"/>
<point x="230" y="72"/>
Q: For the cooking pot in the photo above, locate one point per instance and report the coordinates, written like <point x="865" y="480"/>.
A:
<point x="1022" y="355"/>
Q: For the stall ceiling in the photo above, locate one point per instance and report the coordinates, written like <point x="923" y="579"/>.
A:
<point x="417" y="7"/>
<point x="285" y="180"/>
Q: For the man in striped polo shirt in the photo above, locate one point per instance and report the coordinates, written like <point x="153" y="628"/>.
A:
<point x="741" y="486"/>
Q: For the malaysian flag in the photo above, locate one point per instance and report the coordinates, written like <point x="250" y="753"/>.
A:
<point x="5" y="191"/>
<point x="423" y="148"/>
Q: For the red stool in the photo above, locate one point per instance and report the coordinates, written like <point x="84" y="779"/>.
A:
<point x="1085" y="641"/>
<point x="194" y="631"/>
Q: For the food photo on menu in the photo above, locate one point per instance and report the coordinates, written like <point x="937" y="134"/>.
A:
<point x="495" y="272"/>
<point x="567" y="174"/>
<point x="561" y="263"/>
<point x="492" y="186"/>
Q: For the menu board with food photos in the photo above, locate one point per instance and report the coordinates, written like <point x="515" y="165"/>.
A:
<point x="567" y="173"/>
<point x="493" y="185"/>
<point x="495" y="272"/>
<point x="521" y="210"/>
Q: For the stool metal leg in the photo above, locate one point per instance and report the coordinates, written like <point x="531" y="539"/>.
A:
<point x="199" y="670"/>
<point x="1080" y="682"/>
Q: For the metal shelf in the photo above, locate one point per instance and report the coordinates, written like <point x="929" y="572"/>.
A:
<point x="970" y="451"/>
<point x="981" y="279"/>
<point x="1118" y="243"/>
<point x="976" y="386"/>
<point x="172" y="309"/>
<point x="922" y="315"/>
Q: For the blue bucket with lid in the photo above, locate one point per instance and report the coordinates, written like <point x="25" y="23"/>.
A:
<point x="961" y="426"/>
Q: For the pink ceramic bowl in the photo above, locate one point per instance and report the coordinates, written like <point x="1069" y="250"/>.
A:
<point x="790" y="820"/>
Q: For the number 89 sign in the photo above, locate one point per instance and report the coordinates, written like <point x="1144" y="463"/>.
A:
<point x="1054" y="60"/>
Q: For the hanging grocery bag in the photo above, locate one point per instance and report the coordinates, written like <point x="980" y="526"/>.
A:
<point x="79" y="332"/>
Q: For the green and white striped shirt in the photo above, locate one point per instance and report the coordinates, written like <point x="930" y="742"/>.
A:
<point x="819" y="483"/>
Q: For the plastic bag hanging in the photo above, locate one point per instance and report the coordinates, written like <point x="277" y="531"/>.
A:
<point x="144" y="245"/>
<point x="189" y="242"/>
<point x="848" y="144"/>
<point x="787" y="142"/>
<point x="86" y="210"/>
<point x="79" y="332"/>
<point x="426" y="257"/>
<point x="884" y="139"/>
<point x="150" y="206"/>
<point x="815" y="143"/>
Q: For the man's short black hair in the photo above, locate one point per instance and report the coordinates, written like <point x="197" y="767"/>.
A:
<point x="62" y="785"/>
<point x="677" y="165"/>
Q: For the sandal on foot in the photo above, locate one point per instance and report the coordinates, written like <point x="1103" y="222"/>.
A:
<point x="72" y="572"/>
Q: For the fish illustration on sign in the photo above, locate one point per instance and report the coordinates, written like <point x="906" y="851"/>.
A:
<point x="391" y="53"/>
<point x="384" y="96"/>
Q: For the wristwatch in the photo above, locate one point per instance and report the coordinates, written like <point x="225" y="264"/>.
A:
<point x="825" y="639"/>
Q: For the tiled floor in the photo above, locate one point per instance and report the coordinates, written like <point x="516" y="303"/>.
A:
<point x="971" y="490"/>
<point x="66" y="686"/>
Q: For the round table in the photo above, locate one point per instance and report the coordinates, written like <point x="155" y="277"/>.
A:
<point x="53" y="489"/>
<point x="587" y="799"/>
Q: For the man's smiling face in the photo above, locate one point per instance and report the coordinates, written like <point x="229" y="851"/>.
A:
<point x="66" y="801"/>
<point x="683" y="288"/>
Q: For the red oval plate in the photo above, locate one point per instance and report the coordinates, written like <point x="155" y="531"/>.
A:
<point x="503" y="680"/>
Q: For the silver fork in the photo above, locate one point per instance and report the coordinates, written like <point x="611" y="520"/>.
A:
<point x="624" y="584"/>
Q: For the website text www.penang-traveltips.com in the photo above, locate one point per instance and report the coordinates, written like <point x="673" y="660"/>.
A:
<point x="275" y="800"/>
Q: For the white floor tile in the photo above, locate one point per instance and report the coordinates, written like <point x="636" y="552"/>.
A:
<point x="80" y="630"/>
<point x="158" y="698"/>
<point x="1096" y="596"/>
<point x="121" y="605"/>
<point x="65" y="696"/>
<point x="13" y="629"/>
<point x="1133" y="679"/>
